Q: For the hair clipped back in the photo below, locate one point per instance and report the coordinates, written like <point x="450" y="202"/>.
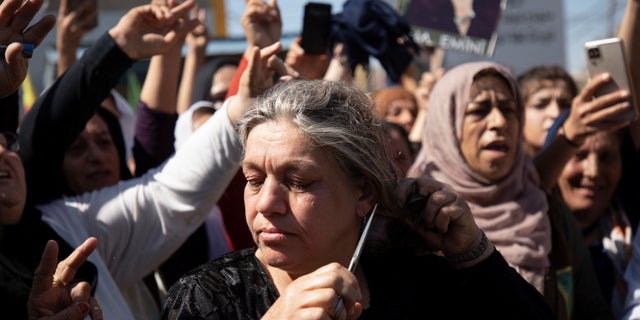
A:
<point x="333" y="115"/>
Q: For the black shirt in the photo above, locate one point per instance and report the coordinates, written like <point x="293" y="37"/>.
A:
<point x="402" y="286"/>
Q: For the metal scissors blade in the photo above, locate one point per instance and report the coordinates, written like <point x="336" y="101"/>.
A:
<point x="363" y="237"/>
<point x="356" y="254"/>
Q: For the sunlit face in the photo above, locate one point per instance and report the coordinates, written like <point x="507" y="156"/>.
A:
<point x="490" y="128"/>
<point x="92" y="160"/>
<point x="402" y="112"/>
<point x="13" y="185"/>
<point x="399" y="153"/>
<point x="548" y="99"/>
<point x="301" y="207"/>
<point x="220" y="84"/>
<point x="590" y="178"/>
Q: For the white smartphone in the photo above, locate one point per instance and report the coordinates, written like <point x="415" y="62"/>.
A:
<point x="607" y="55"/>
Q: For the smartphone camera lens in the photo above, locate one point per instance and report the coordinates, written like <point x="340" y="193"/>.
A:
<point x="594" y="53"/>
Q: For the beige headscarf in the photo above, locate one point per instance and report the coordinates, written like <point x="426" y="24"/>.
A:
<point x="513" y="211"/>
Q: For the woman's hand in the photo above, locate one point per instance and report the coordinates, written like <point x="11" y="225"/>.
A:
<point x="261" y="22"/>
<point x="153" y="29"/>
<point x="444" y="220"/>
<point x="310" y="66"/>
<point x="16" y="27"/>
<point x="52" y="295"/>
<point x="315" y="296"/>
<point x="198" y="38"/>
<point x="258" y="77"/>
<point x="589" y="115"/>
<point x="425" y="86"/>
<point x="74" y="24"/>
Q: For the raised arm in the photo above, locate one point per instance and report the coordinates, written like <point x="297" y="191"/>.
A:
<point x="427" y="81"/>
<point x="196" y="50"/>
<point x="339" y="69"/>
<point x="73" y="99"/>
<point x="262" y="24"/>
<point x="310" y="66"/>
<point x="72" y="26"/>
<point x="631" y="38"/>
<point x="157" y="116"/>
<point x="15" y="18"/>
<point x="588" y="115"/>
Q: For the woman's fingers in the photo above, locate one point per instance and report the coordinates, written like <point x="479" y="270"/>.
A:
<point x="80" y="291"/>
<point x="95" y="312"/>
<point x="67" y="268"/>
<point x="43" y="275"/>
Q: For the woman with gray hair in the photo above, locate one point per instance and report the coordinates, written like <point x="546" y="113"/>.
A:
<point x="316" y="169"/>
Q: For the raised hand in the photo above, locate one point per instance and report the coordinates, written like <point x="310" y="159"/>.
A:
<point x="262" y="23"/>
<point x="72" y="26"/>
<point x="441" y="217"/>
<point x="310" y="66"/>
<point x="15" y="17"/>
<point x="263" y="65"/>
<point x="425" y="85"/>
<point x="52" y="295"/>
<point x="199" y="36"/>
<point x="152" y="29"/>
<point x="589" y="115"/>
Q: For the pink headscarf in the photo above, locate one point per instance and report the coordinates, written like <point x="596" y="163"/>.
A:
<point x="512" y="211"/>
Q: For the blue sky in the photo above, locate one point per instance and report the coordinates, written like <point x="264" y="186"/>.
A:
<point x="584" y="20"/>
<point x="588" y="20"/>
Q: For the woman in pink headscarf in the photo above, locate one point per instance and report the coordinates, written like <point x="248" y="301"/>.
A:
<point x="472" y="142"/>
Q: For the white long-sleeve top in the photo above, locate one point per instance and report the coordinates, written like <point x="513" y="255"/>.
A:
<point x="140" y="222"/>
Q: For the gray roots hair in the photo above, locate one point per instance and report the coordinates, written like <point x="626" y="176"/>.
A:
<point x="338" y="117"/>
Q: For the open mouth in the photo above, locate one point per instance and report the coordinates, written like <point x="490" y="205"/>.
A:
<point x="588" y="189"/>
<point x="5" y="174"/>
<point x="99" y="175"/>
<point x="500" y="146"/>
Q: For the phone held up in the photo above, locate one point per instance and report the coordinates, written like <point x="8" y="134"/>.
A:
<point x="316" y="28"/>
<point x="607" y="55"/>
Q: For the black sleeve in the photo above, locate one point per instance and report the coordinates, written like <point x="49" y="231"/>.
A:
<point x="154" y="137"/>
<point x="494" y="289"/>
<point x="9" y="112"/>
<point x="427" y="287"/>
<point x="61" y="113"/>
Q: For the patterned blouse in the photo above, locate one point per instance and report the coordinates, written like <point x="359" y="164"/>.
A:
<point x="402" y="286"/>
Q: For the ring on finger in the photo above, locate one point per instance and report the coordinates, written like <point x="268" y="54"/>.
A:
<point x="57" y="282"/>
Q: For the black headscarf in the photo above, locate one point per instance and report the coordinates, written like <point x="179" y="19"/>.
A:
<point x="21" y="245"/>
<point x="118" y="139"/>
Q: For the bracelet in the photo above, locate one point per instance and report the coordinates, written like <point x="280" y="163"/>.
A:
<point x="473" y="254"/>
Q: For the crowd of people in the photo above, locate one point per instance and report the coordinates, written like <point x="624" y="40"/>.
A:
<point x="241" y="188"/>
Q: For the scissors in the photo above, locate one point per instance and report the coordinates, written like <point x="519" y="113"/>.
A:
<point x="356" y="254"/>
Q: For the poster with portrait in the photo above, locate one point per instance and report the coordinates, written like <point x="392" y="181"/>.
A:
<point x="463" y="25"/>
